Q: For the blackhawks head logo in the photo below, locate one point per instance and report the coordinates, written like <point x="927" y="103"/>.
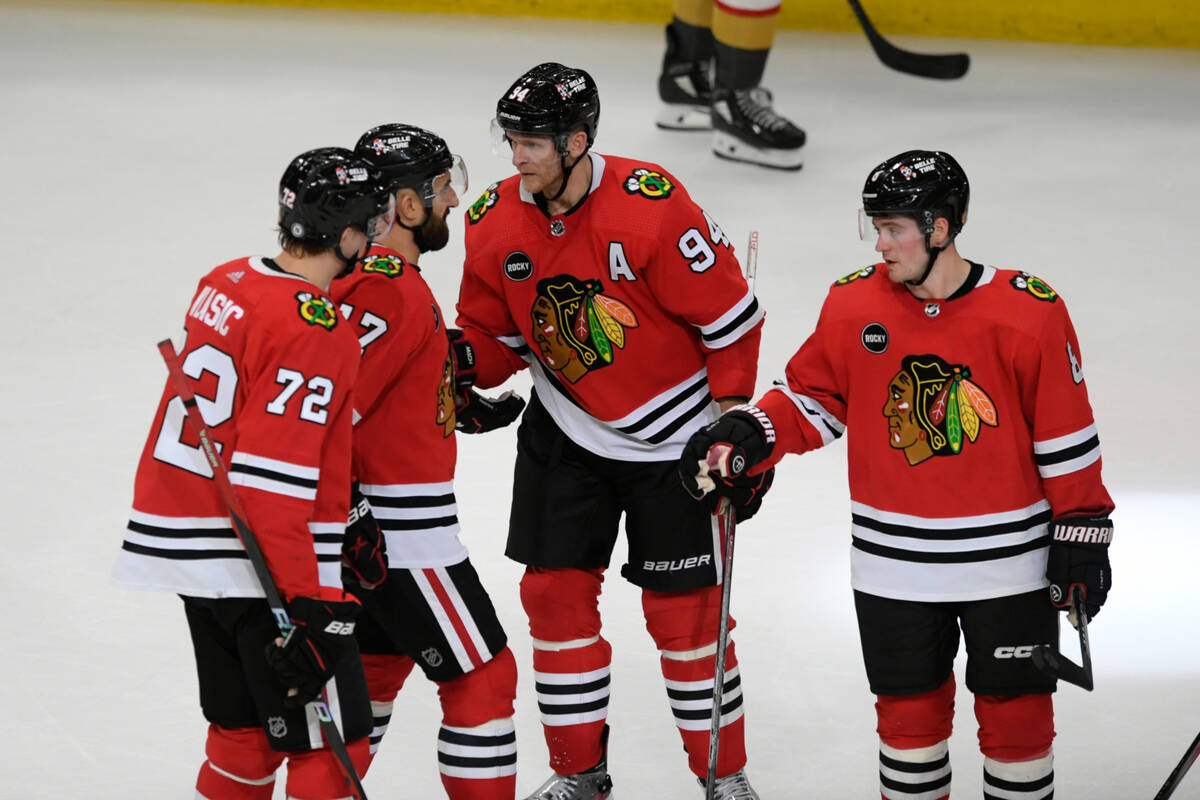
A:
<point x="317" y="310"/>
<point x="444" y="415"/>
<point x="933" y="408"/>
<point x="649" y="183"/>
<point x="486" y="200"/>
<point x="576" y="326"/>
<point x="388" y="265"/>
<point x="1024" y="282"/>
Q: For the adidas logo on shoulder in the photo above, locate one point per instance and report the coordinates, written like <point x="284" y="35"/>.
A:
<point x="235" y="276"/>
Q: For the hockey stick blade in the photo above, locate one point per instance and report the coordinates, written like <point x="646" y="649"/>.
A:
<point x="1052" y="662"/>
<point x="1180" y="770"/>
<point x="926" y="65"/>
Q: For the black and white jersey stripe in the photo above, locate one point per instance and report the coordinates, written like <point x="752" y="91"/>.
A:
<point x="203" y="557"/>
<point x="656" y="431"/>
<point x="419" y="522"/>
<point x="692" y="701"/>
<point x="273" y="475"/>
<point x="1066" y="454"/>
<point x="733" y="324"/>
<point x="949" y="558"/>
<point x="827" y="425"/>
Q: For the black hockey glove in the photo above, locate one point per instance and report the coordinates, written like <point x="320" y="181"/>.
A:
<point x="322" y="632"/>
<point x="463" y="354"/>
<point x="475" y="413"/>
<point x="1079" y="556"/>
<point x="708" y="474"/>
<point x="364" y="549"/>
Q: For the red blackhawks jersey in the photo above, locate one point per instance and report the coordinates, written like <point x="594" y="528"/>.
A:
<point x="968" y="423"/>
<point x="631" y="308"/>
<point x="404" y="445"/>
<point x="272" y="366"/>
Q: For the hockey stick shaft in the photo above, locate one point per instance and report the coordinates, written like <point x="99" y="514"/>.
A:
<point x="1053" y="662"/>
<point x="237" y="514"/>
<point x="925" y="65"/>
<point x="1176" y="776"/>
<point x="728" y="521"/>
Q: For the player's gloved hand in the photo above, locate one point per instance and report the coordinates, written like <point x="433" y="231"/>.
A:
<point x="716" y="460"/>
<point x="475" y="413"/>
<point x="322" y="632"/>
<point x="463" y="354"/>
<point x="1079" y="556"/>
<point x="364" y="548"/>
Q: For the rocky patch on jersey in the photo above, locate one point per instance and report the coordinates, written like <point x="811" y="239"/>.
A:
<point x="576" y="326"/>
<point x="445" y="415"/>
<point x="387" y="265"/>
<point x="933" y="408"/>
<point x="489" y="198"/>
<point x="1024" y="282"/>
<point x="865" y="272"/>
<point x="649" y="183"/>
<point x="317" y="310"/>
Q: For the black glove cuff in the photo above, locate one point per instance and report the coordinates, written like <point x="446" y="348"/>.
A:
<point x="759" y="450"/>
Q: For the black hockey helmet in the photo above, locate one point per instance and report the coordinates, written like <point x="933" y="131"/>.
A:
<point x="413" y="157"/>
<point x="922" y="184"/>
<point x="551" y="100"/>
<point x="326" y="190"/>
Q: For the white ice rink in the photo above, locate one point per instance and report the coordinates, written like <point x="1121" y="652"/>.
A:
<point x="141" y="145"/>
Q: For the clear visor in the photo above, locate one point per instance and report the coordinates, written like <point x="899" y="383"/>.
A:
<point x="380" y="224"/>
<point x="501" y="144"/>
<point x="537" y="145"/>
<point x="451" y="185"/>
<point x="889" y="230"/>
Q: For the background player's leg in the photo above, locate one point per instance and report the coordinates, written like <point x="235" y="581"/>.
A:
<point x="385" y="677"/>
<point x="914" y="752"/>
<point x="745" y="125"/>
<point x="1015" y="736"/>
<point x="240" y="765"/>
<point x="684" y="627"/>
<point x="685" y="83"/>
<point x="571" y="669"/>
<point x="477" y="743"/>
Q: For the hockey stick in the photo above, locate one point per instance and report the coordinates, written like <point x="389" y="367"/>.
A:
<point x="1180" y="770"/>
<point x="926" y="65"/>
<point x="237" y="515"/>
<point x="1052" y="662"/>
<point x="728" y="521"/>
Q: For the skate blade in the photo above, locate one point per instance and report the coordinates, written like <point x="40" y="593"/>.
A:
<point x="734" y="149"/>
<point x="679" y="117"/>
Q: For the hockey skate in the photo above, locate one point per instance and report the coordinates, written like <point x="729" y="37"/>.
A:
<point x="746" y="128"/>
<point x="591" y="784"/>
<point x="594" y="784"/>
<point x="733" y="787"/>
<point x="685" y="88"/>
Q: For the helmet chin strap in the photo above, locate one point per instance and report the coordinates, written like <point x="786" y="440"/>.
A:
<point x="933" y="252"/>
<point x="566" y="173"/>
<point x="348" y="262"/>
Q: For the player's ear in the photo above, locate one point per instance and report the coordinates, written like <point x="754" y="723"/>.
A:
<point x="577" y="143"/>
<point x="941" y="232"/>
<point x="409" y="207"/>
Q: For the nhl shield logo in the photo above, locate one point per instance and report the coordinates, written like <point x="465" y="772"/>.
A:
<point x="432" y="657"/>
<point x="276" y="727"/>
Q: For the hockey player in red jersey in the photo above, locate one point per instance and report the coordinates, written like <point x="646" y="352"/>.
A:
<point x="974" y="467"/>
<point x="624" y="299"/>
<point x="272" y="366"/>
<point x="432" y="609"/>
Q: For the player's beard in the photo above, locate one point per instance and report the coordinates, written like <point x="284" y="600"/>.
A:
<point x="434" y="234"/>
